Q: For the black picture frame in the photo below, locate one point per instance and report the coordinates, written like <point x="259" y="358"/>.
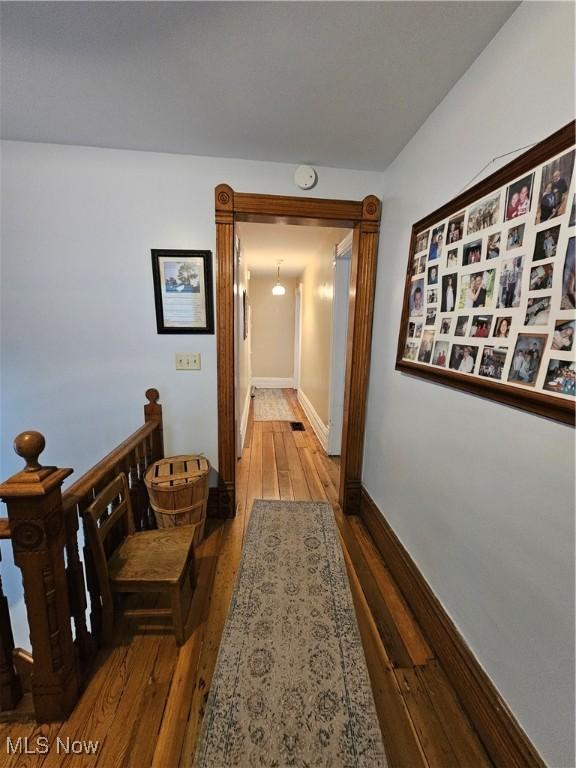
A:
<point x="187" y="306"/>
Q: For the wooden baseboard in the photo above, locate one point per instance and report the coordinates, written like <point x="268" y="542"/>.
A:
<point x="503" y="738"/>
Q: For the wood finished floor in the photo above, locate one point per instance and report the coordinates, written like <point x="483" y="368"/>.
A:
<point x="146" y="699"/>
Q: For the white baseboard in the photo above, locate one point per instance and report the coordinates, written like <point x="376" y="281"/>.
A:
<point x="272" y="383"/>
<point x="318" y="426"/>
<point x="244" y="420"/>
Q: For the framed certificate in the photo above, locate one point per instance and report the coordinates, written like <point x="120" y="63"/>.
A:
<point x="183" y="291"/>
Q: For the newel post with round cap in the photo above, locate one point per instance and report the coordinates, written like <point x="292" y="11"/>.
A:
<point x="33" y="497"/>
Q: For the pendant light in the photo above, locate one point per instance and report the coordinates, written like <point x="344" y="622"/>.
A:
<point x="278" y="289"/>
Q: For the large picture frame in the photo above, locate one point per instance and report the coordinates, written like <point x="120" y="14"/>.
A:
<point x="490" y="294"/>
<point x="183" y="292"/>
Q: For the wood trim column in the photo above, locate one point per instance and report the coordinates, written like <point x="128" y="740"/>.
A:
<point x="225" y="349"/>
<point x="34" y="501"/>
<point x="360" y="315"/>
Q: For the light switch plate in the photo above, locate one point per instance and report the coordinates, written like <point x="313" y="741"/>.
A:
<point x="187" y="361"/>
<point x="183" y="361"/>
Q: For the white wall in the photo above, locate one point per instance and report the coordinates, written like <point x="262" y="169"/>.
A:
<point x="79" y="341"/>
<point x="482" y="495"/>
<point x="317" y="302"/>
<point x="272" y="327"/>
<point x="244" y="374"/>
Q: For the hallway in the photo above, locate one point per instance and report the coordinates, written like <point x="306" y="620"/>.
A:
<point x="422" y="722"/>
<point x="146" y="698"/>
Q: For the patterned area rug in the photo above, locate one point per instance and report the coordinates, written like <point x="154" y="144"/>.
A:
<point x="291" y="686"/>
<point x="272" y="405"/>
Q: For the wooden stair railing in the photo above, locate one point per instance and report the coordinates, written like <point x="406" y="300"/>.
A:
<point x="132" y="457"/>
<point x="42" y="525"/>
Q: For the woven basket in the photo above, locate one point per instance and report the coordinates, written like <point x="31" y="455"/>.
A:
<point x="178" y="491"/>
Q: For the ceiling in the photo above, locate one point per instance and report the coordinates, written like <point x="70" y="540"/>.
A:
<point x="264" y="244"/>
<point x="343" y="84"/>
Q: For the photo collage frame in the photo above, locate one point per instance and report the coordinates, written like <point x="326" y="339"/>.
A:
<point x="490" y="295"/>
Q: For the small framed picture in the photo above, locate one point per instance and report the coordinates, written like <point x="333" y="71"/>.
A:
<point x="183" y="291"/>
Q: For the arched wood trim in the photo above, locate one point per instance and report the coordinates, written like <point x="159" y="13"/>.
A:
<point x="364" y="218"/>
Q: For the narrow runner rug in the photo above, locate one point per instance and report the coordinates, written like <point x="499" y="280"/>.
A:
<point x="291" y="686"/>
<point x="272" y="405"/>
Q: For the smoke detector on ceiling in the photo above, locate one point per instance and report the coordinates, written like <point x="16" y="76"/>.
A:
<point x="305" y="177"/>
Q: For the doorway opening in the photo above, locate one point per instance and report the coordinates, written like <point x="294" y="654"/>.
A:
<point x="290" y="357"/>
<point x="291" y="326"/>
<point x="362" y="218"/>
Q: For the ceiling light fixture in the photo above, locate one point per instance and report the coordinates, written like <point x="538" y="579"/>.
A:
<point x="278" y="289"/>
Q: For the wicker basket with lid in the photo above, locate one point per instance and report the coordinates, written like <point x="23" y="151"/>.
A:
<point x="178" y="490"/>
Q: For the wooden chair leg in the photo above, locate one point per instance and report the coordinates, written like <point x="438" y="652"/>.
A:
<point x="177" y="614"/>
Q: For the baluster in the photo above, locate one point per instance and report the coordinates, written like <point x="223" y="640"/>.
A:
<point x="141" y="493"/>
<point x="133" y="483"/>
<point x="149" y="450"/>
<point x="153" y="412"/>
<point x="10" y="683"/>
<point x="34" y="501"/>
<point x="77" y="589"/>
<point x="141" y="461"/>
<point x="93" y="590"/>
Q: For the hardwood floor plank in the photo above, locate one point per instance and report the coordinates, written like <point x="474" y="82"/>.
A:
<point x="48" y="731"/>
<point x="433" y="737"/>
<point x="170" y="739"/>
<point x="401" y="741"/>
<point x="317" y="491"/>
<point x="285" y="486"/>
<point x="383" y="619"/>
<point x="224" y="582"/>
<point x="148" y="720"/>
<point x="464" y="741"/>
<point x="255" y="472"/>
<point x="269" y="471"/>
<point x="297" y="477"/>
<point x="280" y="453"/>
<point x="301" y="439"/>
<point x="242" y="471"/>
<point x="330" y="489"/>
<point x="95" y="712"/>
<point x="124" y="722"/>
<point x="411" y="636"/>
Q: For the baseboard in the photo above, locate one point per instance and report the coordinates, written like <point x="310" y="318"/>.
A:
<point x="318" y="426"/>
<point x="503" y="738"/>
<point x="273" y="383"/>
<point x="244" y="420"/>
